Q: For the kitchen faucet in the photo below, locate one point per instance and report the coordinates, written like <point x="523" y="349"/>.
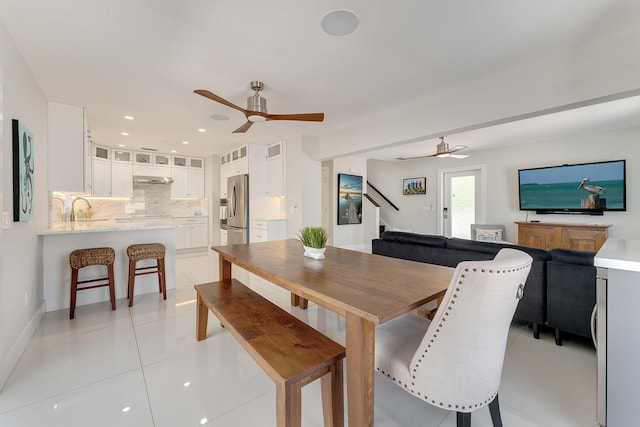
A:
<point x="73" y="211"/>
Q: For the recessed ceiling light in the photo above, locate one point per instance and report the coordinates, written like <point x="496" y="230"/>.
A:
<point x="173" y="151"/>
<point x="339" y="22"/>
<point x="202" y="130"/>
<point x="220" y="117"/>
<point x="124" y="133"/>
<point x="126" y="409"/>
<point x="129" y="117"/>
<point x="121" y="145"/>
<point x="185" y="142"/>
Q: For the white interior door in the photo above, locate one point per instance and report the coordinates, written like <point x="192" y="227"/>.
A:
<point x="461" y="201"/>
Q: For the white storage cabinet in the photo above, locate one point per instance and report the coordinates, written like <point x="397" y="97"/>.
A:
<point x="191" y="232"/>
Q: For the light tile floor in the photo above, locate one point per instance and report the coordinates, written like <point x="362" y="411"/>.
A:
<point x="143" y="367"/>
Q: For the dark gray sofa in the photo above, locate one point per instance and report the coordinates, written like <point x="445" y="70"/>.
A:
<point x="571" y="292"/>
<point x="532" y="308"/>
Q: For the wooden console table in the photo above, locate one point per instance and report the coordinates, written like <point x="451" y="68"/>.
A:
<point x="546" y="235"/>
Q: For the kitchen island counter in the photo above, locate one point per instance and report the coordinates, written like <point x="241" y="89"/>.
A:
<point x="107" y="225"/>
<point x="59" y="240"/>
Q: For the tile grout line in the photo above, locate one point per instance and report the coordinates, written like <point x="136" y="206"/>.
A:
<point x="144" y="377"/>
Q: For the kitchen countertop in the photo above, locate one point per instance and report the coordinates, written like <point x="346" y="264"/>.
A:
<point x="619" y="254"/>
<point x="97" y="226"/>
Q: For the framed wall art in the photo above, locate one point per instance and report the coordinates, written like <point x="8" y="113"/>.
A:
<point x="23" y="172"/>
<point x="349" y="199"/>
<point x="412" y="186"/>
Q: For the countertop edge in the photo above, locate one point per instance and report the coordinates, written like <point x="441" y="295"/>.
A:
<point x="133" y="226"/>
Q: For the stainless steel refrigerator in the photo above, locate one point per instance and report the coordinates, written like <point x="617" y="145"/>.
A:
<point x="238" y="209"/>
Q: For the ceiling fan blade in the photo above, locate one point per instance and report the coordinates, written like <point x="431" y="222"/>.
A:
<point x="214" y="97"/>
<point x="416" y="157"/>
<point x="305" y="117"/>
<point x="243" y="128"/>
<point x="457" y="148"/>
<point x="459" y="156"/>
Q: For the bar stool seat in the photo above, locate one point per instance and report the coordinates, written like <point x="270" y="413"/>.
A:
<point x="81" y="258"/>
<point x="144" y="251"/>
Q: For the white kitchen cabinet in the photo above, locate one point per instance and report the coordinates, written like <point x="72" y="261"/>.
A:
<point x="191" y="232"/>
<point x="151" y="164"/>
<point x="275" y="170"/>
<point x="69" y="148"/>
<point x="161" y="159"/>
<point x="196" y="183"/>
<point x="188" y="177"/>
<point x="121" y="179"/>
<point x="224" y="174"/>
<point x="101" y="152"/>
<point x="180" y="186"/>
<point x="101" y="186"/>
<point x="122" y="156"/>
<point x="267" y="230"/>
<point x="141" y="169"/>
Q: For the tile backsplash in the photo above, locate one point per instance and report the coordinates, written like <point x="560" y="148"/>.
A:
<point x="148" y="199"/>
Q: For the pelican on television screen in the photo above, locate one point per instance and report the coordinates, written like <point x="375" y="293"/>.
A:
<point x="587" y="187"/>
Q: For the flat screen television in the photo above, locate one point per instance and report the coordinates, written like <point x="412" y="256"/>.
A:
<point x="586" y="188"/>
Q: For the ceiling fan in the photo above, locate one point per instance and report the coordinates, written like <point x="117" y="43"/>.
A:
<point x="442" y="150"/>
<point x="257" y="108"/>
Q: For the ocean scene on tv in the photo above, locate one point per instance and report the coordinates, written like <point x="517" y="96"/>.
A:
<point x="598" y="186"/>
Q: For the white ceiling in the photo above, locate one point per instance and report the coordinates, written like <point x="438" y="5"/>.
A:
<point x="144" y="58"/>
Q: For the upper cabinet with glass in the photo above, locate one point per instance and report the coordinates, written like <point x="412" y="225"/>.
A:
<point x="122" y="155"/>
<point x="144" y="158"/>
<point x="161" y="159"/>
<point x="100" y="152"/>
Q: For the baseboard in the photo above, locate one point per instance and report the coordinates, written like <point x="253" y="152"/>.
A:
<point x="13" y="355"/>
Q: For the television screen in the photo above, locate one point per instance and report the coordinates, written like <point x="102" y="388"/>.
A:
<point x="581" y="188"/>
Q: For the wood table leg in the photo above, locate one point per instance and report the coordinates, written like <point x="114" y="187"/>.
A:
<point x="202" y="317"/>
<point x="225" y="268"/>
<point x="360" y="340"/>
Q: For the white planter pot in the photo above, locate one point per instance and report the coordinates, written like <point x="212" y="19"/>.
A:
<point x="314" y="253"/>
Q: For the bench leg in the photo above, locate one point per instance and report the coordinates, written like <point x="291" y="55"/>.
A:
<point x="333" y="396"/>
<point x="289" y="405"/>
<point x="295" y="300"/>
<point x="202" y="316"/>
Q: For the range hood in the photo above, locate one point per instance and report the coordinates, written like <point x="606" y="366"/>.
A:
<point x="142" y="179"/>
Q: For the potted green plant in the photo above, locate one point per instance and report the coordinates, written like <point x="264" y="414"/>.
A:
<point x="314" y="240"/>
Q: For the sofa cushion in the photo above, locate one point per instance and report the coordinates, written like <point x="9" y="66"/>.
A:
<point x="489" y="235"/>
<point x="415" y="239"/>
<point x="572" y="256"/>
<point x="474" y="246"/>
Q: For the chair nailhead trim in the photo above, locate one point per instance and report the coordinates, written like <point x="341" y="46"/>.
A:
<point x="432" y="340"/>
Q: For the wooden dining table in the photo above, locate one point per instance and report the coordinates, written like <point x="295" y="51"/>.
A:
<point x="366" y="289"/>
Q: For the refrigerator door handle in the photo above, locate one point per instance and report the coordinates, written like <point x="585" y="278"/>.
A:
<point x="232" y="201"/>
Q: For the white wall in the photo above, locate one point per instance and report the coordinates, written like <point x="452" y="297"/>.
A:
<point x="603" y="63"/>
<point x="502" y="182"/>
<point x="347" y="234"/>
<point x="21" y="294"/>
<point x="303" y="201"/>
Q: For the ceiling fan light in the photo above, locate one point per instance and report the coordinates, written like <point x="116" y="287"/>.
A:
<point x="443" y="155"/>
<point x="256" y="118"/>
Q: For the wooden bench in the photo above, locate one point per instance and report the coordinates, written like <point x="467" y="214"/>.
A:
<point x="291" y="352"/>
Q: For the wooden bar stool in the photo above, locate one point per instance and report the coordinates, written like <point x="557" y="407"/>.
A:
<point x="141" y="252"/>
<point x="83" y="258"/>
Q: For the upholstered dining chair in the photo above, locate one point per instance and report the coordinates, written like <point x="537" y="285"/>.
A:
<point x="455" y="361"/>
